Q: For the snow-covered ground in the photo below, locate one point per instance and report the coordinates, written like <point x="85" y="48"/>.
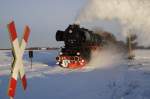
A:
<point x="124" y="80"/>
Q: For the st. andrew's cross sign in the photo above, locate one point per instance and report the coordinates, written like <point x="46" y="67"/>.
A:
<point x="18" y="50"/>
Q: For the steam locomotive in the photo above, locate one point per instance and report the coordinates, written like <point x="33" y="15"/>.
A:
<point x="79" y="44"/>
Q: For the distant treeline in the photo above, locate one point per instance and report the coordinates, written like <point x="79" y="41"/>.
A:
<point x="34" y="48"/>
<point x="141" y="47"/>
<point x="55" y="48"/>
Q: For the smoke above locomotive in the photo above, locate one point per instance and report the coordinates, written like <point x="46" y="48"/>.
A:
<point x="79" y="44"/>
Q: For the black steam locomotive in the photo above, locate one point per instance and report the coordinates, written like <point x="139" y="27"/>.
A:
<point x="79" y="43"/>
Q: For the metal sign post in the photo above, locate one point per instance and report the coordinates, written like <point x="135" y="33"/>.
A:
<point x="18" y="50"/>
<point x="31" y="56"/>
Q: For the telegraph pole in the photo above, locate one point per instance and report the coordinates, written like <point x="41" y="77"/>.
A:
<point x="130" y="48"/>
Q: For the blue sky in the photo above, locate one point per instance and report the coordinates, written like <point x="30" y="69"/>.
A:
<point x="44" y="17"/>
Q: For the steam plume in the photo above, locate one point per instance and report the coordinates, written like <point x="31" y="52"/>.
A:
<point x="133" y="15"/>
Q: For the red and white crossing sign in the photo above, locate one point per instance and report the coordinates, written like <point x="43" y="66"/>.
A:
<point x="18" y="50"/>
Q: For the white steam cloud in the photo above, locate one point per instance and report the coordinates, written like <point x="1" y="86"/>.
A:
<point x="133" y="15"/>
<point x="105" y="58"/>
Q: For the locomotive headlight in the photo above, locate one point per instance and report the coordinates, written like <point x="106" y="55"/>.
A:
<point x="60" y="53"/>
<point x="83" y="60"/>
<point x="78" y="53"/>
<point x="70" y="31"/>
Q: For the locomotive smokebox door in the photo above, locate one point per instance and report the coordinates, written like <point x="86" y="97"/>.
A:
<point x="30" y="54"/>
